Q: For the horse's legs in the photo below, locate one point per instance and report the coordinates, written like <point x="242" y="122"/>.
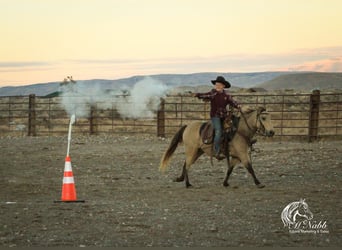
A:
<point x="249" y="167"/>
<point x="190" y="159"/>
<point x="231" y="165"/>
<point x="181" y="178"/>
<point x="187" y="182"/>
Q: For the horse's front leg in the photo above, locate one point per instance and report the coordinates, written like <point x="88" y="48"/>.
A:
<point x="251" y="171"/>
<point x="231" y="164"/>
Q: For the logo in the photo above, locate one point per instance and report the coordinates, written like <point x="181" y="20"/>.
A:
<point x="298" y="218"/>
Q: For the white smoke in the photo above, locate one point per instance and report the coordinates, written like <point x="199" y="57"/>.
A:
<point x="142" y="101"/>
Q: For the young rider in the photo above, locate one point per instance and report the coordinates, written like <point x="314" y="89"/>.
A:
<point x="219" y="100"/>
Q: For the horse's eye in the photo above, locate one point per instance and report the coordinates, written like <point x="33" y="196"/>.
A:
<point x="263" y="118"/>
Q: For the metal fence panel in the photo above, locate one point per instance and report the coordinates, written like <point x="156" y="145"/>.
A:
<point x="306" y="116"/>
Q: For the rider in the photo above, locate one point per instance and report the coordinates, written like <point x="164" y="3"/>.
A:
<point x="219" y="99"/>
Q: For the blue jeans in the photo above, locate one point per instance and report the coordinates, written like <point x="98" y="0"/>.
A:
<point x="217" y="124"/>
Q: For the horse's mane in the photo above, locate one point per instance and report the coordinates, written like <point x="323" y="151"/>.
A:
<point x="248" y="110"/>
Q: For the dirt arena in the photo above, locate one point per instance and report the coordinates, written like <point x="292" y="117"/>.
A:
<point x="128" y="202"/>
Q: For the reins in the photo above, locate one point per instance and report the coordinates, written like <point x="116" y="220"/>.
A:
<point x="248" y="140"/>
<point x="256" y="121"/>
<point x="244" y="117"/>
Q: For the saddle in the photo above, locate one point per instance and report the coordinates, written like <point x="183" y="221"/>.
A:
<point x="207" y="131"/>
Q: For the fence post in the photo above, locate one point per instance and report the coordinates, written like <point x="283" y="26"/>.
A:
<point x="92" y="121"/>
<point x="161" y="119"/>
<point x="314" y="115"/>
<point x="31" y="131"/>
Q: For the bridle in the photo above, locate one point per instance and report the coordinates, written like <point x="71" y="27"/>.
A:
<point x="260" y="128"/>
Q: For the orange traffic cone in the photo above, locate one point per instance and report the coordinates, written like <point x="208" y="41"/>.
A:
<point x="68" y="188"/>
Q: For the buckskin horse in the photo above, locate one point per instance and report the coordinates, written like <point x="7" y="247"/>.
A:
<point x="251" y="122"/>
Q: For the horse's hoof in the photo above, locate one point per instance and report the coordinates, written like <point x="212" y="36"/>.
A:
<point x="260" y="185"/>
<point x="225" y="184"/>
<point x="178" y="179"/>
<point x="188" y="185"/>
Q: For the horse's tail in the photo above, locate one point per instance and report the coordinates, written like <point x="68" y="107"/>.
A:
<point x="177" y="138"/>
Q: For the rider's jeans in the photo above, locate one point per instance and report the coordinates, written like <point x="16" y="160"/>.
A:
<point x="217" y="124"/>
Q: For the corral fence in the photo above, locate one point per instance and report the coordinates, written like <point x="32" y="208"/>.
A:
<point x="307" y="116"/>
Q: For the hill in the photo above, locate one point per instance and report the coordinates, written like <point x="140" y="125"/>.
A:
<point x="261" y="80"/>
<point x="304" y="81"/>
<point x="241" y="80"/>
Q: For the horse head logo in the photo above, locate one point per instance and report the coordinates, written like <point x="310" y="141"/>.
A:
<point x="295" y="212"/>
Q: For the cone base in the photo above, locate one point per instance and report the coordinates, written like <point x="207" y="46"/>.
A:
<point x="75" y="201"/>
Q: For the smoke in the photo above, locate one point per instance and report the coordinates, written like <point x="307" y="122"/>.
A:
<point x="141" y="101"/>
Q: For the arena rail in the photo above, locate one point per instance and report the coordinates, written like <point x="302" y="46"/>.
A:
<point x="308" y="116"/>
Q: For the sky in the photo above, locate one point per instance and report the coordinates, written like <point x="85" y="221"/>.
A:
<point x="47" y="40"/>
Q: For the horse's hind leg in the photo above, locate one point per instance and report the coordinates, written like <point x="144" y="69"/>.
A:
<point x="231" y="164"/>
<point x="187" y="182"/>
<point x="184" y="176"/>
<point x="181" y="178"/>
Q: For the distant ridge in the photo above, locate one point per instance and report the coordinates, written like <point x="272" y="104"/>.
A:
<point x="266" y="80"/>
<point x="304" y="81"/>
<point x="242" y="80"/>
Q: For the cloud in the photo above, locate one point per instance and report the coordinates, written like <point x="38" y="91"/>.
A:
<point x="324" y="65"/>
<point x="21" y="64"/>
<point x="325" y="59"/>
<point x="239" y="62"/>
<point x="25" y="66"/>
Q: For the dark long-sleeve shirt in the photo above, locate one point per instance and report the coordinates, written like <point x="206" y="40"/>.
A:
<point x="218" y="102"/>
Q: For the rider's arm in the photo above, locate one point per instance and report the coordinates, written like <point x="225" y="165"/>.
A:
<point x="205" y="96"/>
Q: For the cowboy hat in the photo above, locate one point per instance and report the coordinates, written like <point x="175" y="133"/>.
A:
<point x="221" y="80"/>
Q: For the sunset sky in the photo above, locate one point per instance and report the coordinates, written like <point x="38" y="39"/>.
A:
<point x="47" y="40"/>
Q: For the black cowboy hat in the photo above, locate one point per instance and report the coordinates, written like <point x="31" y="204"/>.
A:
<point x="221" y="80"/>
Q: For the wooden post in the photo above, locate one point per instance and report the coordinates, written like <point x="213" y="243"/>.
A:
<point x="92" y="121"/>
<point x="161" y="119"/>
<point x="31" y="131"/>
<point x="314" y="115"/>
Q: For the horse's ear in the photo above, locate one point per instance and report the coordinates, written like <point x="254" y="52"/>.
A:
<point x="261" y="109"/>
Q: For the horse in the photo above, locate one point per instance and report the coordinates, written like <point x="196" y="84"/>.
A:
<point x="294" y="212"/>
<point x="251" y="122"/>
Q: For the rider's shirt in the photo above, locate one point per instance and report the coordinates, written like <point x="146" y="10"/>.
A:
<point x="218" y="102"/>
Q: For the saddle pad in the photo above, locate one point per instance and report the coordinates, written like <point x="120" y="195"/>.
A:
<point x="207" y="133"/>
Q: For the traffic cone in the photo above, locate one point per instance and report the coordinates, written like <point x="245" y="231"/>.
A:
<point x="68" y="188"/>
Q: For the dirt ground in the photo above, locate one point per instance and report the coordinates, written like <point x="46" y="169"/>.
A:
<point x="128" y="202"/>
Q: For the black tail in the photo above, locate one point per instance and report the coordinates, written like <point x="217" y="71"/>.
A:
<point x="177" y="138"/>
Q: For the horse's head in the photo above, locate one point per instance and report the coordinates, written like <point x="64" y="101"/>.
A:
<point x="264" y="122"/>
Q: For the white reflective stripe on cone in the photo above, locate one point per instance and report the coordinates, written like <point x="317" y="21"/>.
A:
<point x="67" y="167"/>
<point x="68" y="180"/>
